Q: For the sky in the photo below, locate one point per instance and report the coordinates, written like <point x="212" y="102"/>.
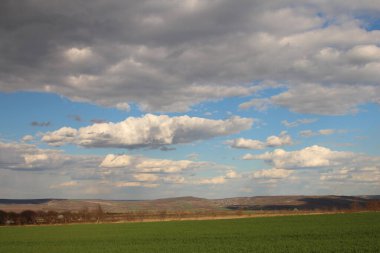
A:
<point x="150" y="99"/>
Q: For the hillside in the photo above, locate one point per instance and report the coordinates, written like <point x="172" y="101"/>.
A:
<point x="190" y="204"/>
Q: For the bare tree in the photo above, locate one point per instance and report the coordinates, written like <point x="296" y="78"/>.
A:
<point x="373" y="205"/>
<point x="162" y="214"/>
<point x="84" y="214"/>
<point x="28" y="217"/>
<point x="355" y="206"/>
<point x="99" y="213"/>
<point x="3" y="217"/>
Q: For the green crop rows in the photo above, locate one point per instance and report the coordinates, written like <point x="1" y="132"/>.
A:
<point x="315" y="233"/>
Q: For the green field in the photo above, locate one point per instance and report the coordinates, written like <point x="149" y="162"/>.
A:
<point x="315" y="233"/>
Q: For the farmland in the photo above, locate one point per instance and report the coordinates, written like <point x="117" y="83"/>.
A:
<point x="355" y="232"/>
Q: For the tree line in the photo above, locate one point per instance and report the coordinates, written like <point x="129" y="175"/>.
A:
<point x="29" y="217"/>
<point x="51" y="217"/>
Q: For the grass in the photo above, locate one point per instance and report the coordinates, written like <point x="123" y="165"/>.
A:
<point x="358" y="232"/>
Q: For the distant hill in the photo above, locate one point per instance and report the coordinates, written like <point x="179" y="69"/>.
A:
<point x="24" y="201"/>
<point x="293" y="202"/>
<point x="190" y="204"/>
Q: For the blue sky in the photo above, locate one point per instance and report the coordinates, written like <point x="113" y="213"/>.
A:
<point x="274" y="98"/>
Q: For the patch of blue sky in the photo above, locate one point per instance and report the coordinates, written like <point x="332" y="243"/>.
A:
<point x="20" y="109"/>
<point x="356" y="132"/>
<point x="328" y="21"/>
<point x="369" y="22"/>
<point x="367" y="129"/>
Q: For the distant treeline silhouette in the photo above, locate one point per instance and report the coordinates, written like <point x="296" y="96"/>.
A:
<point x="29" y="217"/>
<point x="316" y="204"/>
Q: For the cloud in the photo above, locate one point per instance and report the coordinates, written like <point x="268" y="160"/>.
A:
<point x="145" y="177"/>
<point x="140" y="171"/>
<point x="28" y="157"/>
<point x="277" y="141"/>
<point x="214" y="180"/>
<point x="260" y="104"/>
<point x="364" y="54"/>
<point x="314" y="98"/>
<point x="298" y="122"/>
<point x="193" y="156"/>
<point x="174" y="179"/>
<point x="272" y="141"/>
<point x="65" y="184"/>
<point x="61" y="136"/>
<point x="135" y="184"/>
<point x="78" y="54"/>
<point x="314" y="157"/>
<point x="123" y="106"/>
<point x="147" y="131"/>
<point x="128" y="184"/>
<point x="168" y="56"/>
<point x="116" y="161"/>
<point x="272" y="174"/>
<point x="27" y="138"/>
<point x="326" y="131"/>
<point x="79" y="173"/>
<point x="310" y="133"/>
<point x="53" y="172"/>
<point x="307" y="133"/>
<point x="366" y="175"/>
<point x="229" y="175"/>
<point x="147" y="165"/>
<point x="321" y="169"/>
<point x="309" y="157"/>
<point x="40" y="124"/>
<point x="243" y="143"/>
<point x="327" y="100"/>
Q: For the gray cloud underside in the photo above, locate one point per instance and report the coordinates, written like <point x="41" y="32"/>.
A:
<point x="149" y="131"/>
<point x="170" y="55"/>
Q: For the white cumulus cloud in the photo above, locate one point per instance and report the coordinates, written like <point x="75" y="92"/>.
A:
<point x="147" y="131"/>
<point x="314" y="157"/>
<point x="27" y="138"/>
<point x="145" y="177"/>
<point x="272" y="173"/>
<point x="272" y="141"/>
<point x="298" y="122"/>
<point x="310" y="133"/>
<point x="22" y="156"/>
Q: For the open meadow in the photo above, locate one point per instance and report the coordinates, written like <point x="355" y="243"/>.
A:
<point x="355" y="232"/>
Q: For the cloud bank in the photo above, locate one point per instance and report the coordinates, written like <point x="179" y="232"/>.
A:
<point x="112" y="171"/>
<point x="316" y="157"/>
<point x="170" y="55"/>
<point x="28" y="157"/>
<point x="53" y="172"/>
